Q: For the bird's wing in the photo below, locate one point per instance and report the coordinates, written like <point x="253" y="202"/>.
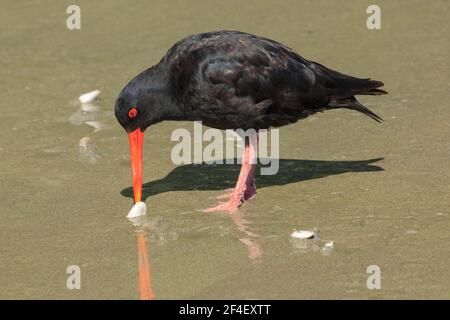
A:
<point x="239" y="70"/>
<point x="238" y="73"/>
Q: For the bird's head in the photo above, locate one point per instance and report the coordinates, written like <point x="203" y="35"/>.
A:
<point x="143" y="102"/>
<point x="129" y="113"/>
<point x="131" y="116"/>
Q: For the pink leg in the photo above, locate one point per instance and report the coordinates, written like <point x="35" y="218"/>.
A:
<point x="245" y="186"/>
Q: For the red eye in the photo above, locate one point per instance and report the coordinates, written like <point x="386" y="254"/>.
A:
<point x="132" y="113"/>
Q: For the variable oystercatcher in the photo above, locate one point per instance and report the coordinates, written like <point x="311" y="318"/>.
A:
<point x="233" y="80"/>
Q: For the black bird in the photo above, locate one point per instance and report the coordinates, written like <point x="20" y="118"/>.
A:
<point x="233" y="80"/>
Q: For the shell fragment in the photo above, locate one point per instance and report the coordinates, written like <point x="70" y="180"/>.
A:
<point x="89" y="97"/>
<point x="329" y="244"/>
<point x="84" y="143"/>
<point x="302" y="234"/>
<point x="139" y="209"/>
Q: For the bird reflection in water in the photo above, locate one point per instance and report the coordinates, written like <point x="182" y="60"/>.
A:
<point x="254" y="250"/>
<point x="145" y="276"/>
<point x="146" y="291"/>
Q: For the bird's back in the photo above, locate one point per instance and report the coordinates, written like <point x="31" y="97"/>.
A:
<point x="231" y="79"/>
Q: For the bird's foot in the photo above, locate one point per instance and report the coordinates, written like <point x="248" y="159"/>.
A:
<point x="249" y="193"/>
<point x="234" y="198"/>
<point x="229" y="206"/>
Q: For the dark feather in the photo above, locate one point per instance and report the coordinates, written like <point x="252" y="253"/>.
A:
<point x="231" y="79"/>
<point x="353" y="104"/>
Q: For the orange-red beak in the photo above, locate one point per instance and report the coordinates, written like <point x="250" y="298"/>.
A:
<point x="136" y="139"/>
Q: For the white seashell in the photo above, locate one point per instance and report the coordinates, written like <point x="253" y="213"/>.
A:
<point x="89" y="97"/>
<point x="139" y="209"/>
<point x="84" y="143"/>
<point x="301" y="234"/>
<point x="329" y="244"/>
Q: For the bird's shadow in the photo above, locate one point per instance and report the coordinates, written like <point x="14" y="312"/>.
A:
<point x="223" y="176"/>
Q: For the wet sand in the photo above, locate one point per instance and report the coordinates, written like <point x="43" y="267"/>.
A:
<point x="62" y="203"/>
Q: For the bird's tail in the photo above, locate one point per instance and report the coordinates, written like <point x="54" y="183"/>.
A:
<point x="342" y="88"/>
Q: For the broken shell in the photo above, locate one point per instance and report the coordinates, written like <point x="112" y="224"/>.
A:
<point x="139" y="209"/>
<point x="329" y="244"/>
<point x="84" y="143"/>
<point x="301" y="234"/>
<point x="89" y="97"/>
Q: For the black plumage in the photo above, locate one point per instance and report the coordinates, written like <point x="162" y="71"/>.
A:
<point x="231" y="79"/>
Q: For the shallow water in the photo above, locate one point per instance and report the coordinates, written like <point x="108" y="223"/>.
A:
<point x="65" y="170"/>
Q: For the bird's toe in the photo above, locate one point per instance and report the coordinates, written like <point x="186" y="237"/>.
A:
<point x="229" y="206"/>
